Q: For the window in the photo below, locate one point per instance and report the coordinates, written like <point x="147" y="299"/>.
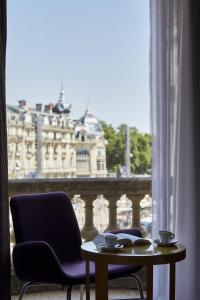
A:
<point x="99" y="152"/>
<point x="82" y="153"/>
<point x="100" y="165"/>
<point x="113" y="57"/>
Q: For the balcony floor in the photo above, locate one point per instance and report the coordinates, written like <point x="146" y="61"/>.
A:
<point x="61" y="295"/>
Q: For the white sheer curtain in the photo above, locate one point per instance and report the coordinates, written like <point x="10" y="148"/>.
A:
<point x="174" y="132"/>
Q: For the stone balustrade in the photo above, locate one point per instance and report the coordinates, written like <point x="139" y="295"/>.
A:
<point x="88" y="190"/>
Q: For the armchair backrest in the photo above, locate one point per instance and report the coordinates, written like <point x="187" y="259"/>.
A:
<point x="47" y="217"/>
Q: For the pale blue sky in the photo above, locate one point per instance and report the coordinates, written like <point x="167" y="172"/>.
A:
<point x="96" y="45"/>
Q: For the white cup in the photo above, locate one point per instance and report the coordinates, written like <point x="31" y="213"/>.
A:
<point x="111" y="240"/>
<point x="166" y="236"/>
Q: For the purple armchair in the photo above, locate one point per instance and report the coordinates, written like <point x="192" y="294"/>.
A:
<point x="48" y="243"/>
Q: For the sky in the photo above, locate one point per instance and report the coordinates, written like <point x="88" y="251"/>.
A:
<point x="99" y="49"/>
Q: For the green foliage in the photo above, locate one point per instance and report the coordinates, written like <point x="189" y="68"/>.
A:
<point x="115" y="149"/>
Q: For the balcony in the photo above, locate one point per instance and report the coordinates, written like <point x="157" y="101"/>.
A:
<point x="98" y="202"/>
<point x="88" y="190"/>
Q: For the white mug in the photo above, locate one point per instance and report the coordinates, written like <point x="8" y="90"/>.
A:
<point x="166" y="236"/>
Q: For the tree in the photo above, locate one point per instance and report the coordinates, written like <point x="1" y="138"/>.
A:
<point x="115" y="150"/>
<point x="141" y="149"/>
<point x="115" y="147"/>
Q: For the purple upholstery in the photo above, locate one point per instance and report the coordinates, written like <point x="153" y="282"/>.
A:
<point x="76" y="271"/>
<point x="37" y="262"/>
<point x="47" y="217"/>
<point x="48" y="241"/>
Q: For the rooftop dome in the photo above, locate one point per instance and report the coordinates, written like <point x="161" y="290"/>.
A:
<point x="62" y="106"/>
<point x="89" y="123"/>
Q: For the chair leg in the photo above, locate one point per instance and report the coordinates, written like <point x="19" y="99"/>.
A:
<point x="81" y="291"/>
<point x="139" y="284"/>
<point x="23" y="289"/>
<point x="69" y="290"/>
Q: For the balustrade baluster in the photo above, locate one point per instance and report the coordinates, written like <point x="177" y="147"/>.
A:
<point x="89" y="231"/>
<point x="112" y="206"/>
<point x="135" y="199"/>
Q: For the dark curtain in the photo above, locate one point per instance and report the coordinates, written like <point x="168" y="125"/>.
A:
<point x="4" y="205"/>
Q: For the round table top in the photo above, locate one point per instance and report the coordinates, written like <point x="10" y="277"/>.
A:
<point x="142" y="255"/>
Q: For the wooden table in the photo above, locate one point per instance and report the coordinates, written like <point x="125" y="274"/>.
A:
<point x="139" y="255"/>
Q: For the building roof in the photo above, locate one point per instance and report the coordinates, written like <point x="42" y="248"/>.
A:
<point x="89" y="124"/>
<point x="62" y="106"/>
<point x="12" y="108"/>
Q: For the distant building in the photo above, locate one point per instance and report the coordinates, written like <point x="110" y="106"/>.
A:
<point x="47" y="142"/>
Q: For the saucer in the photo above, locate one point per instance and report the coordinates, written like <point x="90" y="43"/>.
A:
<point x="112" y="249"/>
<point x="171" y="243"/>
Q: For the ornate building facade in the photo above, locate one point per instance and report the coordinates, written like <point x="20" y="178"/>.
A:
<point x="47" y="142"/>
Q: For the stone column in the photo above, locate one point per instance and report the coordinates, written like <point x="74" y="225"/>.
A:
<point x="112" y="206"/>
<point x="89" y="231"/>
<point x="135" y="199"/>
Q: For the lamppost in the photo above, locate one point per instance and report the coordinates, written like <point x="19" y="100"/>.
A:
<point x="39" y="124"/>
<point x="127" y="152"/>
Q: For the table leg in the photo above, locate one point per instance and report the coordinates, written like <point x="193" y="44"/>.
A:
<point x="149" y="281"/>
<point x="101" y="281"/>
<point x="87" y="266"/>
<point x="172" y="281"/>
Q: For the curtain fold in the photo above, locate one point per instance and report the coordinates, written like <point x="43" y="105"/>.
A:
<point x="4" y="203"/>
<point x="175" y="122"/>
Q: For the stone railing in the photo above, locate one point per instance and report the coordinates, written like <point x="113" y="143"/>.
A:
<point x="89" y="189"/>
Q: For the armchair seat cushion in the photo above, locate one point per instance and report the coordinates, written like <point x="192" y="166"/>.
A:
<point x="75" y="271"/>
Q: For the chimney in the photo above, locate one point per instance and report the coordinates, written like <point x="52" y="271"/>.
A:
<point x="48" y="108"/>
<point x="39" y="107"/>
<point x="22" y="103"/>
